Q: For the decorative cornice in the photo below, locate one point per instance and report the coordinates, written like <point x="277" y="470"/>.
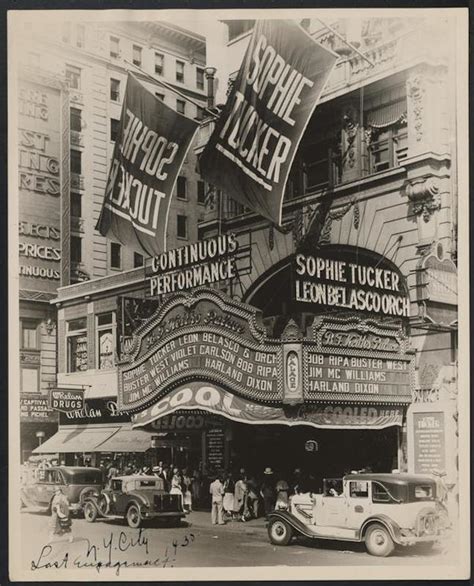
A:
<point x="424" y="195"/>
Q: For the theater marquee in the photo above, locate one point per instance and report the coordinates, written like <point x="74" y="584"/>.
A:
<point x="206" y="336"/>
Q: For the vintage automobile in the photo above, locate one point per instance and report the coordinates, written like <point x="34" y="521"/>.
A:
<point x="76" y="482"/>
<point x="382" y="510"/>
<point x="135" y="498"/>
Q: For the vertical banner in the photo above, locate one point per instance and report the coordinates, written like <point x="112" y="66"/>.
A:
<point x="250" y="152"/>
<point x="150" y="148"/>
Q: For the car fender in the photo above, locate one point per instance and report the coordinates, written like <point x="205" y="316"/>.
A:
<point x="94" y="500"/>
<point x="384" y="520"/>
<point x="294" y="522"/>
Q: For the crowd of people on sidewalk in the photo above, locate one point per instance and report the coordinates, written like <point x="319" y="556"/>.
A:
<point x="241" y="497"/>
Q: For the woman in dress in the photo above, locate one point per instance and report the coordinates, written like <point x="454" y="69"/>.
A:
<point x="282" y="492"/>
<point x="60" y="515"/>
<point x="229" y="487"/>
<point x="240" y="497"/>
<point x="176" y="482"/>
<point x="188" y="497"/>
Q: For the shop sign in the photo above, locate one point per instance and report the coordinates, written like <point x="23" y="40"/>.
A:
<point x="194" y="265"/>
<point x="39" y="181"/>
<point x="349" y="280"/>
<point x="98" y="411"/>
<point x="206" y="336"/>
<point x="429" y="441"/>
<point x="220" y="402"/>
<point x="66" y="400"/>
<point x="437" y="279"/>
<point x="35" y="408"/>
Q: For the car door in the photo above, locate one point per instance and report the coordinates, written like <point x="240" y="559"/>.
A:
<point x="332" y="512"/>
<point x="359" y="503"/>
<point x="48" y="481"/>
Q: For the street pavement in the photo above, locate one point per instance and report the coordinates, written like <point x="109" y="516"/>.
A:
<point x="195" y="543"/>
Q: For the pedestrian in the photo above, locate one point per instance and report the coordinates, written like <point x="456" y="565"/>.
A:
<point x="176" y="482"/>
<point x="188" y="497"/>
<point x="282" y="492"/>
<point x="252" y="497"/>
<point x="240" y="497"/>
<point x="267" y="491"/>
<point x="229" y="487"/>
<point x="113" y="471"/>
<point x="216" y="489"/>
<point x="196" y="487"/>
<point x="60" y="515"/>
<point x="296" y="484"/>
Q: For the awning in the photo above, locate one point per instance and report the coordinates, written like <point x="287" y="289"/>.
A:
<point x="126" y="439"/>
<point x="328" y="414"/>
<point x="76" y="439"/>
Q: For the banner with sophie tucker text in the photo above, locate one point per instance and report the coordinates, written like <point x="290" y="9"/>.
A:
<point x="198" y="395"/>
<point x="151" y="145"/>
<point x="250" y="152"/>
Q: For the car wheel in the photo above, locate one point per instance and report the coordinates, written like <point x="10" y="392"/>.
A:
<point x="280" y="532"/>
<point x="133" y="517"/>
<point x="378" y="541"/>
<point x="90" y="512"/>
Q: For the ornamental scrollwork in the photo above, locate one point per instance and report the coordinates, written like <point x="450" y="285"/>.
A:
<point x="416" y="91"/>
<point x="425" y="197"/>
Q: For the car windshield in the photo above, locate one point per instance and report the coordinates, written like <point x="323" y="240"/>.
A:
<point x="83" y="476"/>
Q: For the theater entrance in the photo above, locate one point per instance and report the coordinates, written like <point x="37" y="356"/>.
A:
<point x="317" y="452"/>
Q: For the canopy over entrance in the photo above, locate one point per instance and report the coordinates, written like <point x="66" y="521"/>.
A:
<point x="211" y="398"/>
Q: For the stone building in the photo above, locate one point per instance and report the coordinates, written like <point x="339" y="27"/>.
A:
<point x="71" y="79"/>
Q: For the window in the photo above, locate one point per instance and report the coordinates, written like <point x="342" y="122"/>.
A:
<point x="160" y="96"/>
<point x="114" y="128"/>
<point x="181" y="187"/>
<point x="319" y="165"/>
<point x="76" y="249"/>
<point x="181" y="106"/>
<point x="424" y="492"/>
<point x="105" y="330"/>
<point x="73" y="77"/>
<point x="75" y="120"/>
<point x="181" y="226"/>
<point x="201" y="192"/>
<point x="29" y="380"/>
<point x="200" y="78"/>
<point x="115" y="255"/>
<point x="380" y="494"/>
<point x="76" y="343"/>
<point x="388" y="149"/>
<point x="80" y="36"/>
<point x="180" y="71"/>
<point x="76" y="205"/>
<point x="137" y="259"/>
<point x="76" y="161"/>
<point x="115" y="90"/>
<point x="29" y="335"/>
<point x="159" y="63"/>
<point x="114" y="47"/>
<point x="137" y="55"/>
<point x="200" y="113"/>
<point x="359" y="489"/>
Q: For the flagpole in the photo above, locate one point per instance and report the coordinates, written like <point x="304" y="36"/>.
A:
<point x="340" y="37"/>
<point x="170" y="87"/>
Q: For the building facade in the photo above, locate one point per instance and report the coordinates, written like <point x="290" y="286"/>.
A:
<point x="70" y="89"/>
<point x="334" y="335"/>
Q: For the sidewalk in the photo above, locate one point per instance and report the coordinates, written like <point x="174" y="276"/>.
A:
<point x="203" y="519"/>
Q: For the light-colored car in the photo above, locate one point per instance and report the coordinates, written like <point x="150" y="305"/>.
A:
<point x="382" y="510"/>
<point x="135" y="498"/>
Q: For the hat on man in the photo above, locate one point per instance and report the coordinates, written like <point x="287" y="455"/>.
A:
<point x="268" y="471"/>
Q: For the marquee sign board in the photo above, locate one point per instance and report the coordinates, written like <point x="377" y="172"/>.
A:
<point x="207" y="336"/>
<point x="351" y="279"/>
<point x="35" y="408"/>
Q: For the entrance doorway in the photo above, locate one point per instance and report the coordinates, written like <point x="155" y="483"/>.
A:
<point x="334" y="451"/>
